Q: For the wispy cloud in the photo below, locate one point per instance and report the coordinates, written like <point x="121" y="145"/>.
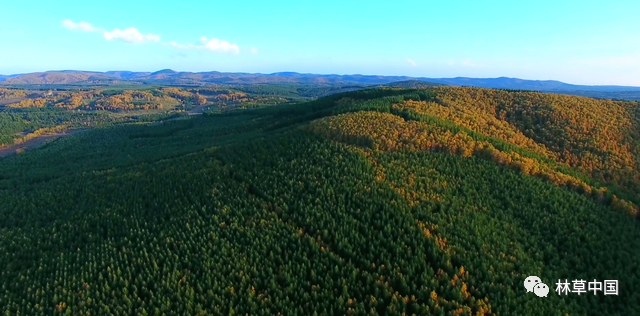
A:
<point x="467" y="63"/>
<point x="82" y="26"/>
<point x="130" y="35"/>
<point x="214" y="45"/>
<point x="178" y="55"/>
<point x="254" y="50"/>
<point x="413" y="63"/>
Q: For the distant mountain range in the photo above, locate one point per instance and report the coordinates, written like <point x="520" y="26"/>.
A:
<point x="515" y="83"/>
<point x="171" y="77"/>
<point x="3" y="77"/>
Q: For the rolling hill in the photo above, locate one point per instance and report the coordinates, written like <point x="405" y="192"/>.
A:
<point x="59" y="77"/>
<point x="171" y="77"/>
<point x="127" y="75"/>
<point x="3" y="77"/>
<point x="387" y="201"/>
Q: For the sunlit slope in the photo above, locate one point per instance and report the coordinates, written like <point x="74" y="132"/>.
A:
<point x="594" y="141"/>
<point x="599" y="137"/>
<point x="351" y="204"/>
<point x="388" y="132"/>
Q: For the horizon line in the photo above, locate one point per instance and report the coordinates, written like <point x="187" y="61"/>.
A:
<point x="316" y="74"/>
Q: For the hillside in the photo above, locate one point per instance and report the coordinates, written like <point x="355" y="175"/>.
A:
<point x="59" y="77"/>
<point x="411" y="84"/>
<point x="386" y="201"/>
<point x="522" y="84"/>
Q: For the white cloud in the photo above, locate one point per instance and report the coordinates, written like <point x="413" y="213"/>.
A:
<point x="130" y="35"/>
<point x="82" y="26"/>
<point x="254" y="50"/>
<point x="214" y="45"/>
<point x="413" y="63"/>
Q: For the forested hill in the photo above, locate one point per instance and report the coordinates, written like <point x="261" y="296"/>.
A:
<point x="426" y="201"/>
<point x="171" y="77"/>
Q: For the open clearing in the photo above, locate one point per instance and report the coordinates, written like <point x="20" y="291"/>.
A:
<point x="36" y="142"/>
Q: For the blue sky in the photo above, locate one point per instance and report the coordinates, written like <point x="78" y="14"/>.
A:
<point x="583" y="42"/>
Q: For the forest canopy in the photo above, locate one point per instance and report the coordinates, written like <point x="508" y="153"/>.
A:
<point x="386" y="201"/>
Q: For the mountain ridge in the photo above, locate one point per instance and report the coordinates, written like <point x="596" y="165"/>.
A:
<point x="169" y="76"/>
